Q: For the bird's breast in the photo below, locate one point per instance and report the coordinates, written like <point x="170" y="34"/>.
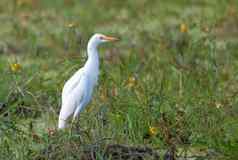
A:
<point x="93" y="78"/>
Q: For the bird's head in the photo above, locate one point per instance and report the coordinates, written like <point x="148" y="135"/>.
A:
<point x="98" y="38"/>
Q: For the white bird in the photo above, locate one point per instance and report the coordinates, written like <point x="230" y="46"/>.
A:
<point x="77" y="91"/>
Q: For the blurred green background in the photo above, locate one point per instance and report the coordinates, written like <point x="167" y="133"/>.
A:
<point x="170" y="83"/>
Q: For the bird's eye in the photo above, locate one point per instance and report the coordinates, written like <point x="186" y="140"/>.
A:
<point x="101" y="38"/>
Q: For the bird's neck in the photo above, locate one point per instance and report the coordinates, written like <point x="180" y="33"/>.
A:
<point x="92" y="63"/>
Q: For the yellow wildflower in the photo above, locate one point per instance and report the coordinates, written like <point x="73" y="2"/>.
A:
<point x="131" y="82"/>
<point x="51" y="132"/>
<point x="71" y="25"/>
<point x="218" y="105"/>
<point x="153" y="131"/>
<point x="183" y="28"/>
<point x="15" y="67"/>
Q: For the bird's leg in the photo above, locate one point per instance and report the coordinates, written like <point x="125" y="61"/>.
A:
<point x="75" y="116"/>
<point x="74" y="122"/>
<point x="76" y="113"/>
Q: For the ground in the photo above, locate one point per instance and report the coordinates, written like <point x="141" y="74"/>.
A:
<point x="169" y="86"/>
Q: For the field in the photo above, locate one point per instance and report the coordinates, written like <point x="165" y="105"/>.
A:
<point x="169" y="85"/>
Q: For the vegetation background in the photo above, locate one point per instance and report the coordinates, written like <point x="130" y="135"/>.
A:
<point x="170" y="83"/>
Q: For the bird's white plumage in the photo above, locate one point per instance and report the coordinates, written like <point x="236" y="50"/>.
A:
<point x="71" y="83"/>
<point x="77" y="91"/>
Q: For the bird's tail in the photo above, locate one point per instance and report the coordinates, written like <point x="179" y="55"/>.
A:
<point x="61" y="124"/>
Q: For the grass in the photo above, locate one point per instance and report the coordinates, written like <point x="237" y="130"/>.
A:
<point x="180" y="81"/>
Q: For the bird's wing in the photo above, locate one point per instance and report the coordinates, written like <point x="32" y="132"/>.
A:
<point x="87" y="89"/>
<point x="73" y="99"/>
<point x="71" y="83"/>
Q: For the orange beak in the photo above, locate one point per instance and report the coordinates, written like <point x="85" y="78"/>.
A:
<point x="108" y="38"/>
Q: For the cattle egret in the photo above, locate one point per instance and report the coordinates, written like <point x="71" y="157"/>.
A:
<point x="77" y="91"/>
